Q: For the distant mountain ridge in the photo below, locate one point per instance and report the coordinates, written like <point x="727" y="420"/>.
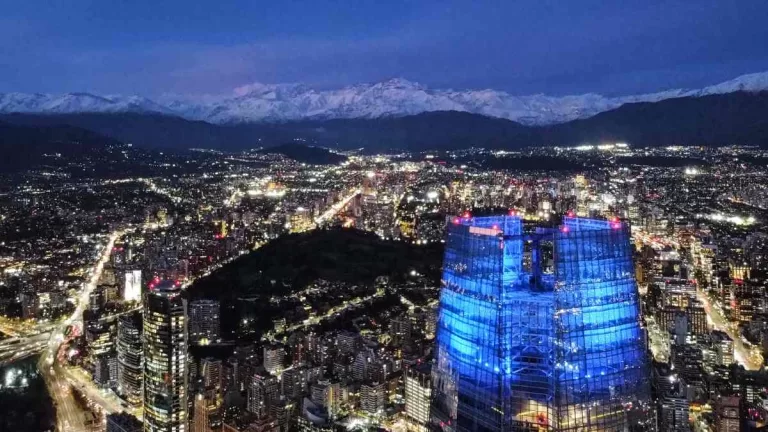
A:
<point x="719" y="119"/>
<point x="393" y="98"/>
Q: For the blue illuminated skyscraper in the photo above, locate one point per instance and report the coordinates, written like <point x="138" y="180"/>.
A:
<point x="527" y="342"/>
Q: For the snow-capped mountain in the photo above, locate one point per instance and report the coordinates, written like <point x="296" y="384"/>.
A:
<point x="395" y="97"/>
<point x="76" y="102"/>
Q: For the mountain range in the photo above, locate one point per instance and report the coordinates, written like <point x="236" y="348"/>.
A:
<point x="739" y="118"/>
<point x="268" y="103"/>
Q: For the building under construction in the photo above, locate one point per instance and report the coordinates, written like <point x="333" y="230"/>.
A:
<point x="539" y="329"/>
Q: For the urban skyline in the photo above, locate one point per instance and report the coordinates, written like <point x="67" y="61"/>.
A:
<point x="432" y="216"/>
<point x="309" y="296"/>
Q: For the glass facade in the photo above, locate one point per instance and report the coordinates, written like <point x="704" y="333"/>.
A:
<point x="130" y="362"/>
<point x="524" y="346"/>
<point x="166" y="378"/>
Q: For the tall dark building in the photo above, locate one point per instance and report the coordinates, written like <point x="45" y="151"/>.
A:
<point x="728" y="414"/>
<point x="204" y="321"/>
<point x="521" y="349"/>
<point x="130" y="358"/>
<point x="166" y="378"/>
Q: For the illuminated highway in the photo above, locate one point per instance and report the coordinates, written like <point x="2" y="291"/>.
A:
<point x="15" y="349"/>
<point x="336" y="208"/>
<point x="70" y="417"/>
<point x="741" y="352"/>
<point x="27" y="339"/>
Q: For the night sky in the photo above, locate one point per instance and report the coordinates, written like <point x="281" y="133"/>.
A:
<point x="559" y="47"/>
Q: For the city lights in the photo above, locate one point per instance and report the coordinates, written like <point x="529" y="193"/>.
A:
<point x="344" y="322"/>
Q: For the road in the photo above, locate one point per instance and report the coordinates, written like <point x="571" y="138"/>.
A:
<point x="27" y="339"/>
<point x="332" y="312"/>
<point x="741" y="353"/>
<point x="336" y="208"/>
<point x="15" y="349"/>
<point x="70" y="417"/>
<point x="106" y="399"/>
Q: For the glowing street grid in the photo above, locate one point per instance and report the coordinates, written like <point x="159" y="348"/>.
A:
<point x="520" y="348"/>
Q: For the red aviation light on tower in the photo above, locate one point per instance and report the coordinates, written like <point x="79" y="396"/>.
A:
<point x="570" y="213"/>
<point x="456" y="221"/>
<point x="513" y="212"/>
<point x="466" y="215"/>
<point x="564" y="229"/>
<point x="615" y="223"/>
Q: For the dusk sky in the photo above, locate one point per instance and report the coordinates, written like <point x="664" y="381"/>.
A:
<point x="523" y="47"/>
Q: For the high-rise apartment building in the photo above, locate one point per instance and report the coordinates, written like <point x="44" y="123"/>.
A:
<point x="206" y="412"/>
<point x="200" y="419"/>
<point x="262" y="392"/>
<point x="296" y="380"/>
<point x="520" y="348"/>
<point x="100" y="338"/>
<point x="210" y="372"/>
<point x="347" y="342"/>
<point x="105" y="370"/>
<point x="400" y="330"/>
<point x="697" y="319"/>
<point x="723" y="345"/>
<point x="204" y="321"/>
<point x="328" y="395"/>
<point x="130" y="358"/>
<point x="166" y="377"/>
<point x="274" y="358"/>
<point x="373" y="396"/>
<point x="361" y="365"/>
<point x="727" y="414"/>
<point x="674" y="408"/>
<point x="418" y="392"/>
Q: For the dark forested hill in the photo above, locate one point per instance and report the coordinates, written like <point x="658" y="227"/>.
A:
<point x="26" y="146"/>
<point x="306" y="154"/>
<point x="351" y="260"/>
<point x="733" y="118"/>
<point x="337" y="255"/>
